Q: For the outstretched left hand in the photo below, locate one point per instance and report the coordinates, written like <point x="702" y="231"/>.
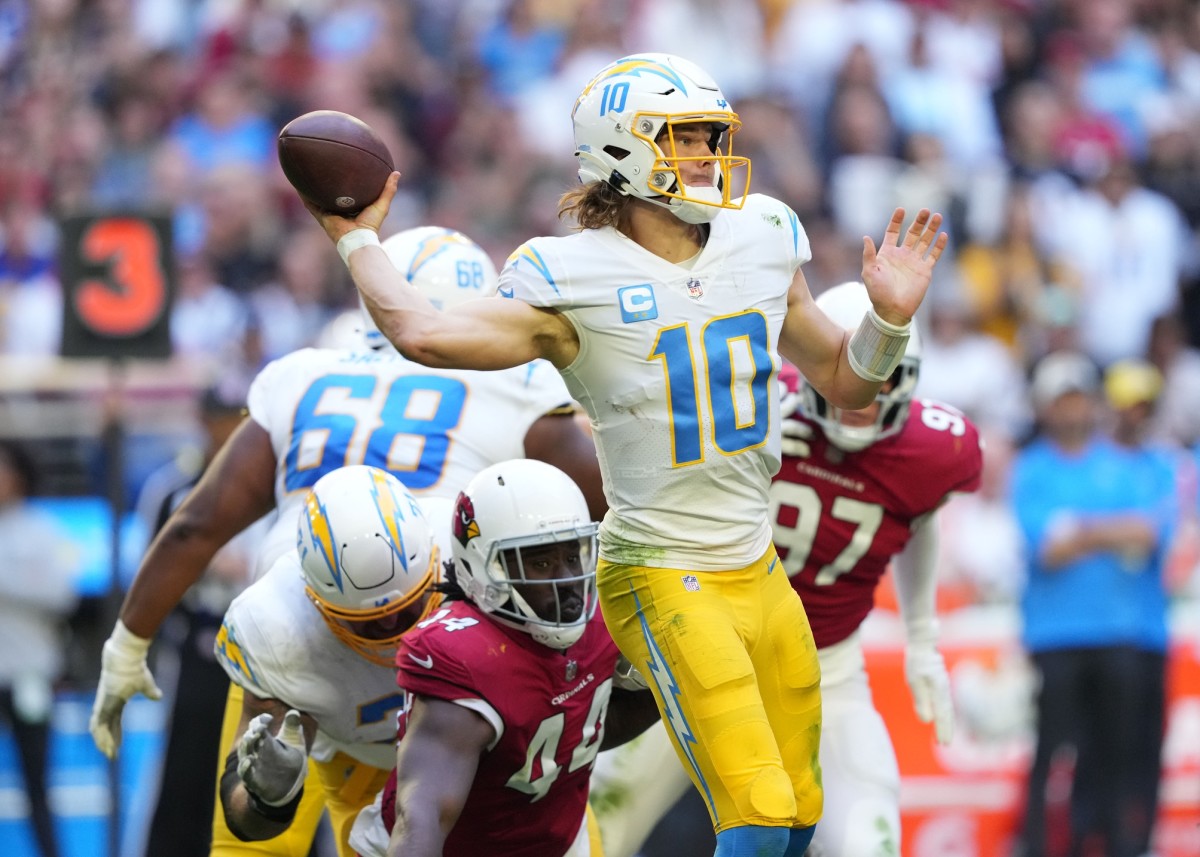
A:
<point x="898" y="273"/>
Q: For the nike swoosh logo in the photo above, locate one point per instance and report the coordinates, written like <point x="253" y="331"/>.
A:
<point x="770" y="567"/>
<point x="505" y="293"/>
<point x="426" y="662"/>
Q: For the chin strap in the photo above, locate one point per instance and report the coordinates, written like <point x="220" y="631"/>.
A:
<point x="618" y="183"/>
<point x="698" y="212"/>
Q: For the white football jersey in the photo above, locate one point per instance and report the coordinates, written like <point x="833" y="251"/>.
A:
<point x="275" y="644"/>
<point x="433" y="429"/>
<point x="676" y="369"/>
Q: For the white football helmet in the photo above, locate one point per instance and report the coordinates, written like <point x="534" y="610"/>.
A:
<point x="621" y="113"/>
<point x="514" y="506"/>
<point x="846" y="304"/>
<point x="368" y="555"/>
<point x="447" y="266"/>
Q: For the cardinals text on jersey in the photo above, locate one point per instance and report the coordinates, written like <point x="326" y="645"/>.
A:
<point x="547" y="708"/>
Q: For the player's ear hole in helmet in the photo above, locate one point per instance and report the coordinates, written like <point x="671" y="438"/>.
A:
<point x="524" y="550"/>
<point x="368" y="558"/>
<point x="846" y="304"/>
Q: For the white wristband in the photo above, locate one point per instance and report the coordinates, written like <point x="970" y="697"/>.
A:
<point x="921" y="631"/>
<point x="877" y="347"/>
<point x="354" y="239"/>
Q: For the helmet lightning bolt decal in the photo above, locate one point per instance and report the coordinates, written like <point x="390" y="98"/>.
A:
<point x="390" y="514"/>
<point x="669" y="693"/>
<point x="321" y="532"/>
<point x="431" y="247"/>
<point x="634" y="67"/>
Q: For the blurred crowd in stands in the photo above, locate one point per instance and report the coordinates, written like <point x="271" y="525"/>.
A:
<point x="1061" y="138"/>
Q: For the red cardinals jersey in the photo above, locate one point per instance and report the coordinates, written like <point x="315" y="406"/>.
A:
<point x="547" y="706"/>
<point x="838" y="518"/>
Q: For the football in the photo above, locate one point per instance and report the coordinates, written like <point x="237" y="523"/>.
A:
<point x="334" y="160"/>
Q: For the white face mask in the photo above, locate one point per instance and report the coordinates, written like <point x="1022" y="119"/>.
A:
<point x="849" y="438"/>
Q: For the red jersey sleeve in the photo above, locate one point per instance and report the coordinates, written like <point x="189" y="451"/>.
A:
<point x="430" y="660"/>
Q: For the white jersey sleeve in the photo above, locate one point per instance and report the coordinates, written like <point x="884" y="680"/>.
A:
<point x="275" y="644"/>
<point x="433" y="429"/>
<point x="676" y="369"/>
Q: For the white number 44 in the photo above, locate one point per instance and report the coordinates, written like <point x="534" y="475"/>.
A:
<point x="541" y="767"/>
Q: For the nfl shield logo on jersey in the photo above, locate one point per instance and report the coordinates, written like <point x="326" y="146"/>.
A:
<point x="691" y="583"/>
<point x="695" y="288"/>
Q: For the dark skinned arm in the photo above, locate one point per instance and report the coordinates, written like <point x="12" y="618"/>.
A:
<point x="237" y="489"/>
<point x="435" y="768"/>
<point x="630" y="713"/>
<point x="558" y="439"/>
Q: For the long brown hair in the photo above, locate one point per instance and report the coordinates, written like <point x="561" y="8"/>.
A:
<point x="593" y="205"/>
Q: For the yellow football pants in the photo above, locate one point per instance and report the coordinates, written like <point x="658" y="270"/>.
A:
<point x="731" y="661"/>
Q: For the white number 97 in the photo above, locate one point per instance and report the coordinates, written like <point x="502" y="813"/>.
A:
<point x="941" y="417"/>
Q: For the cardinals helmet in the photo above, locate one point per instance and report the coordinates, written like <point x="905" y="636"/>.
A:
<point x="507" y="513"/>
<point x="846" y="304"/>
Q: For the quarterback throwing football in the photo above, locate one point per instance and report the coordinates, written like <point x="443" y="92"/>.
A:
<point x="666" y="315"/>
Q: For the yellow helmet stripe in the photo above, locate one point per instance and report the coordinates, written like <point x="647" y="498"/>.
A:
<point x="634" y="66"/>
<point x="431" y="247"/>
<point x="321" y="533"/>
<point x="390" y="515"/>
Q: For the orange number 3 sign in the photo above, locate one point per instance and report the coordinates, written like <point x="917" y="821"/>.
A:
<point x="119" y="283"/>
<point x="135" y="296"/>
